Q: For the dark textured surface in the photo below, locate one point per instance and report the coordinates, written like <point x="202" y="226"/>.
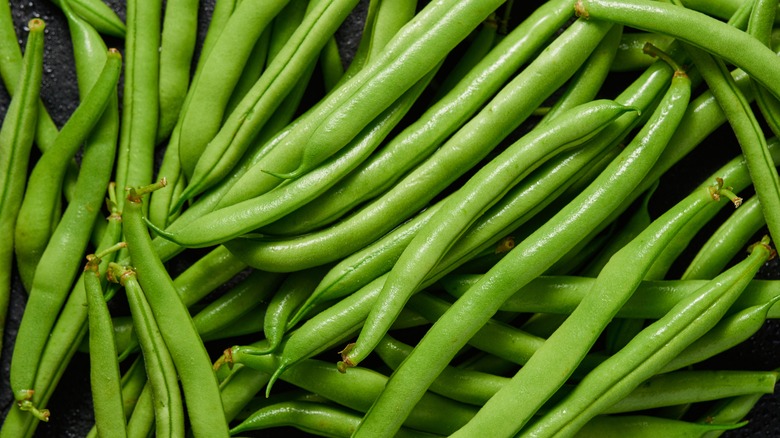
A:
<point x="72" y="402"/>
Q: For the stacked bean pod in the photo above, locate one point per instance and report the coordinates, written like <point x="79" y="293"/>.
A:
<point x="486" y="218"/>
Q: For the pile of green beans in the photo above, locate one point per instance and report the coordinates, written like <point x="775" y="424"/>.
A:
<point x="377" y="218"/>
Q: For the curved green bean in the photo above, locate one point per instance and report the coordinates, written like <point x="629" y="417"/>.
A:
<point x="16" y="139"/>
<point x="39" y="212"/>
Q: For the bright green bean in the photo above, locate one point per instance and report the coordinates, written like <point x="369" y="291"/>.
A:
<point x="140" y="100"/>
<point x="649" y="351"/>
<point x="177" y="46"/>
<point x="545" y="245"/>
<point x="630" y="56"/>
<point x="484" y="189"/>
<point x="212" y="86"/>
<point x="168" y="406"/>
<point x="692" y="27"/>
<point x="226" y="146"/>
<point x="104" y="369"/>
<point x="730" y="237"/>
<point x="16" y="139"/>
<point x="461" y="152"/>
<point x="640" y="426"/>
<point x="189" y="355"/>
<point x="223" y="224"/>
<point x="39" y="212"/>
<point x="98" y="15"/>
<point x="441" y="120"/>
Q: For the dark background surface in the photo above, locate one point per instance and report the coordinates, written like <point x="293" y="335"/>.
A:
<point x="72" y="401"/>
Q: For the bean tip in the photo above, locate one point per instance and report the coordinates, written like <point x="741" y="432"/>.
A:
<point x="580" y="11"/>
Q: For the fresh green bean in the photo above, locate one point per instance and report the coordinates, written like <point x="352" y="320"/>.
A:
<point x="545" y="245"/>
<point x="189" y="355"/>
<point x="658" y="343"/>
<point x="730" y="237"/>
<point x="630" y="56"/>
<point x="383" y="20"/>
<point x="39" y="212"/>
<point x="168" y="406"/>
<point x="16" y="139"/>
<point x="11" y="69"/>
<point x="481" y="43"/>
<point x="641" y="426"/>
<point x="729" y="332"/>
<point x="692" y="27"/>
<point x="226" y="146"/>
<point x="98" y="15"/>
<point x="441" y="120"/>
<point x="141" y="421"/>
<point x="222" y="312"/>
<point x="461" y="152"/>
<point x="211" y="88"/>
<point x="65" y="337"/>
<point x="297" y="287"/>
<point x="434" y="413"/>
<point x="317" y="418"/>
<point x="68" y="242"/>
<point x="729" y="411"/>
<point x="223" y="224"/>
<point x="257" y="60"/>
<point x="104" y="368"/>
<point x="482" y="190"/>
<point x="749" y="134"/>
<point x="140" y="101"/>
<point x="331" y="65"/>
<point x="177" y="46"/>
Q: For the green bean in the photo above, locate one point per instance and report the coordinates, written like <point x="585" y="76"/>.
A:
<point x="630" y="56"/>
<point x="223" y="224"/>
<point x="729" y="332"/>
<point x="403" y="62"/>
<point x="176" y="326"/>
<point x="641" y="426"/>
<point x="142" y="421"/>
<point x="760" y="26"/>
<point x="317" y="418"/>
<point x="434" y="413"/>
<point x="723" y="9"/>
<point x="682" y="387"/>
<point x="590" y="207"/>
<point x="257" y="403"/>
<point x="730" y="237"/>
<point x="749" y="134"/>
<point x="460" y="153"/>
<point x="482" y="190"/>
<point x="98" y="15"/>
<point x="255" y="289"/>
<point x="383" y="20"/>
<point x="295" y="289"/>
<point x="729" y="411"/>
<point x="481" y="43"/>
<point x="168" y="406"/>
<point x="331" y="64"/>
<point x="692" y="27"/>
<point x="649" y="351"/>
<point x="239" y="389"/>
<point x="206" y="274"/>
<point x="140" y="101"/>
<point x="177" y="45"/>
<point x="51" y="286"/>
<point x="441" y="120"/>
<point x="652" y="299"/>
<point x="10" y="70"/>
<point x="587" y="82"/>
<point x="39" y="212"/>
<point x="210" y="90"/>
<point x="65" y="337"/>
<point x="16" y="139"/>
<point x="104" y="368"/>
<point x="257" y="60"/>
<point x="215" y="159"/>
